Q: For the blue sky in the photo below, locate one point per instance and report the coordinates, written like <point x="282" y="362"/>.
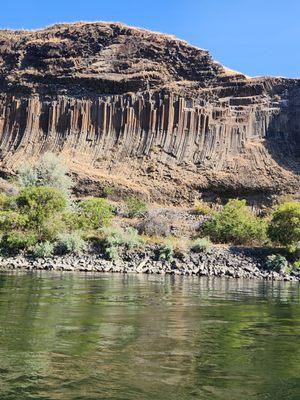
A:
<point x="257" y="37"/>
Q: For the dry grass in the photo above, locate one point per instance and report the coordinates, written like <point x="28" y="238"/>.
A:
<point x="180" y="245"/>
<point x="44" y="40"/>
<point x="201" y="208"/>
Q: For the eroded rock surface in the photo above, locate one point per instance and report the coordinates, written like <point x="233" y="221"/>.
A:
<point x="145" y="112"/>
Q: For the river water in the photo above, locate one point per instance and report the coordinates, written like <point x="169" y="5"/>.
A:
<point x="72" y="336"/>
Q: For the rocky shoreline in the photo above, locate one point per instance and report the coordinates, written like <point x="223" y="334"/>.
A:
<point x="233" y="262"/>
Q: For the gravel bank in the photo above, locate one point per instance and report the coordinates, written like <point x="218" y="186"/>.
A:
<point x="231" y="262"/>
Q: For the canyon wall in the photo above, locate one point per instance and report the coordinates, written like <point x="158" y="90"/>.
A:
<point x="146" y="113"/>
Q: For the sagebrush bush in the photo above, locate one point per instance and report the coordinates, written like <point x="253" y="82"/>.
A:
<point x="27" y="175"/>
<point x="127" y="237"/>
<point x="70" y="243"/>
<point x="201" y="245"/>
<point x="135" y="207"/>
<point x="236" y="224"/>
<point x="277" y="263"/>
<point x="112" y="252"/>
<point x="49" y="171"/>
<point x="166" y="252"/>
<point x="43" y="249"/>
<point x="284" y="227"/>
<point x="115" y="238"/>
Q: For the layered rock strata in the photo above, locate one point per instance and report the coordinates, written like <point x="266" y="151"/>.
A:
<point x="145" y="112"/>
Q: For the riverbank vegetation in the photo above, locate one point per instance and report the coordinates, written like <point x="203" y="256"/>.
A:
<point x="41" y="218"/>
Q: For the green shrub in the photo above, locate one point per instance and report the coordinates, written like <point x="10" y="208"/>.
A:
<point x="284" y="227"/>
<point x="12" y="220"/>
<point x="7" y="203"/>
<point x="236" y="224"/>
<point x="70" y="219"/>
<point x="43" y="249"/>
<point x="108" y="191"/>
<point x="50" y="171"/>
<point x="112" y="252"/>
<point x="70" y="243"/>
<point x="135" y="207"/>
<point x="201" y="245"/>
<point x="14" y="242"/>
<point x="166" y="252"/>
<point x="94" y="213"/>
<point x="296" y="265"/>
<point x="127" y="237"/>
<point x="118" y="237"/>
<point x="277" y="263"/>
<point x="41" y="208"/>
<point x="40" y="204"/>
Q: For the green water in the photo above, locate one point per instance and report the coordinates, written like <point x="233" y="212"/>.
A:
<point x="147" y="337"/>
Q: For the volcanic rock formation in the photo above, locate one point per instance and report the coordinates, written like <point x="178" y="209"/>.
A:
<point x="145" y="112"/>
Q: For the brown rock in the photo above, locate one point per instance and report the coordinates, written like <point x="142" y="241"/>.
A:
<point x="117" y="101"/>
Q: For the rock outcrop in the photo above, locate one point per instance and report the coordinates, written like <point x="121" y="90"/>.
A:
<point x="229" y="263"/>
<point x="145" y="112"/>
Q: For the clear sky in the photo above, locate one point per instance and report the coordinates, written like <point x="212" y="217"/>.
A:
<point x="257" y="37"/>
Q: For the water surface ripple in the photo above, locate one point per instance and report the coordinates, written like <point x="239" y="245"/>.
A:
<point x="84" y="337"/>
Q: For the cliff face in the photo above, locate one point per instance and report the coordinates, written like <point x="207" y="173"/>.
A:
<point x="145" y="112"/>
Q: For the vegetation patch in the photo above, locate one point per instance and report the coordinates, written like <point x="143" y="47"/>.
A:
<point x="70" y="243"/>
<point x="167" y="252"/>
<point x="135" y="207"/>
<point x="42" y="219"/>
<point x="201" y="245"/>
<point x="43" y="249"/>
<point x="237" y="225"/>
<point x="116" y="238"/>
<point x="277" y="263"/>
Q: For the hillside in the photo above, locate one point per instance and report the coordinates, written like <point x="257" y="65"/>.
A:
<point x="147" y="113"/>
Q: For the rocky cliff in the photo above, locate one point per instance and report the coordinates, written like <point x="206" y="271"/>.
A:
<point x="145" y="112"/>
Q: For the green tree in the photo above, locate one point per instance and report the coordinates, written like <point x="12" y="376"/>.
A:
<point x="284" y="227"/>
<point x="236" y="224"/>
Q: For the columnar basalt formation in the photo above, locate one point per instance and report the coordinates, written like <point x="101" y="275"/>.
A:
<point x="145" y="112"/>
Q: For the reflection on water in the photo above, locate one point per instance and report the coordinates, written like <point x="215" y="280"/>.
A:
<point x="127" y="337"/>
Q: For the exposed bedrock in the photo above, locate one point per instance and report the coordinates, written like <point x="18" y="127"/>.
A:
<point x="145" y="112"/>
